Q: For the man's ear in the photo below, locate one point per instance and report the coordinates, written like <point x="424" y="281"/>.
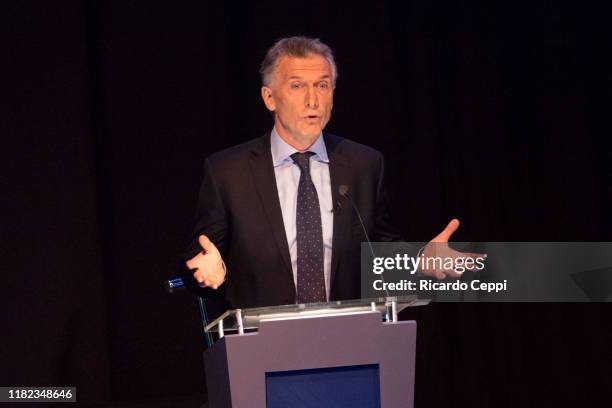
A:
<point x="268" y="98"/>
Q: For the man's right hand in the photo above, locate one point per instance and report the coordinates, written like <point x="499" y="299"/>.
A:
<point x="208" y="264"/>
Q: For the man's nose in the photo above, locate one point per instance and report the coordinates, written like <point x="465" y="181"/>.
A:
<point x="312" y="101"/>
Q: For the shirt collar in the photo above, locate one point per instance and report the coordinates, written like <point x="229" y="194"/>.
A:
<point x="282" y="151"/>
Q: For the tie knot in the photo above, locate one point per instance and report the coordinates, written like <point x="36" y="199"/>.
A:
<point x="303" y="161"/>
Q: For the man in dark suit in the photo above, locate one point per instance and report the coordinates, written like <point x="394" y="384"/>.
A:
<point x="275" y="224"/>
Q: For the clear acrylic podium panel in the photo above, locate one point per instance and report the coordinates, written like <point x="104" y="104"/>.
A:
<point x="245" y="319"/>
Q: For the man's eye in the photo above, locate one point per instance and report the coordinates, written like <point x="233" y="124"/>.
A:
<point x="296" y="85"/>
<point x="323" y="85"/>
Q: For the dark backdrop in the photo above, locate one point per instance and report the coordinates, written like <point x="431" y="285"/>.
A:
<point x="495" y="114"/>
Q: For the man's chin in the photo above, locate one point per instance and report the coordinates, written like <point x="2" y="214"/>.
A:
<point x="312" y="137"/>
<point x="311" y="134"/>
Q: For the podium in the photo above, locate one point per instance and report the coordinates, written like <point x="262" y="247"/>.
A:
<point x="337" y="354"/>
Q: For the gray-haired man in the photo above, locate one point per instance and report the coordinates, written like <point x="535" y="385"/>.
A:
<point x="272" y="227"/>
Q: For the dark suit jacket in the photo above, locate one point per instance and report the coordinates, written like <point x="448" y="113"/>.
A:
<point x="239" y="210"/>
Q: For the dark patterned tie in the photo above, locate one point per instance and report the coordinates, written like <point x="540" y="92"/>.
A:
<point x="310" y="278"/>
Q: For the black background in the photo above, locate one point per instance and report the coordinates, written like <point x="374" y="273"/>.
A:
<point x="495" y="114"/>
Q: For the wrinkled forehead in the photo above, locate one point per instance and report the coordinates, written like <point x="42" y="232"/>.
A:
<point x="310" y="67"/>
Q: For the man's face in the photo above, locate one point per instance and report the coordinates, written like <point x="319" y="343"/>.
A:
<point x="301" y="97"/>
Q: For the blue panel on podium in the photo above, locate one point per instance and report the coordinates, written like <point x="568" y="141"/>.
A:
<point x="337" y="387"/>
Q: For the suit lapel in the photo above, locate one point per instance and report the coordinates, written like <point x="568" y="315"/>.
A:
<point x="339" y="173"/>
<point x="265" y="182"/>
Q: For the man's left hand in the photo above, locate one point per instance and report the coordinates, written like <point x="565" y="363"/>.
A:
<point x="438" y="248"/>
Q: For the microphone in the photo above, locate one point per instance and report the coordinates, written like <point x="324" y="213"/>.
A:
<point x="343" y="190"/>
<point x="337" y="208"/>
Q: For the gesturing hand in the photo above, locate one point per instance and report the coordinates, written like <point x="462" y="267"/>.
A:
<point x="438" y="248"/>
<point x="208" y="264"/>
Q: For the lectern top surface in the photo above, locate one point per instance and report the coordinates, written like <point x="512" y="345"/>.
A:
<point x="250" y="318"/>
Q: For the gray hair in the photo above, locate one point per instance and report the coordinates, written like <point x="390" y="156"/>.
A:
<point x="299" y="47"/>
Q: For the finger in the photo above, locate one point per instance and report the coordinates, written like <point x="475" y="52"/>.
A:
<point x="445" y="235"/>
<point x="193" y="262"/>
<point x="203" y="281"/>
<point x="197" y="275"/>
<point x="444" y="273"/>
<point x="207" y="245"/>
<point x="204" y="242"/>
<point x="452" y="274"/>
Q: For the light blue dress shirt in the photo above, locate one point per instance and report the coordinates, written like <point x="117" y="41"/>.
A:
<point x="287" y="175"/>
